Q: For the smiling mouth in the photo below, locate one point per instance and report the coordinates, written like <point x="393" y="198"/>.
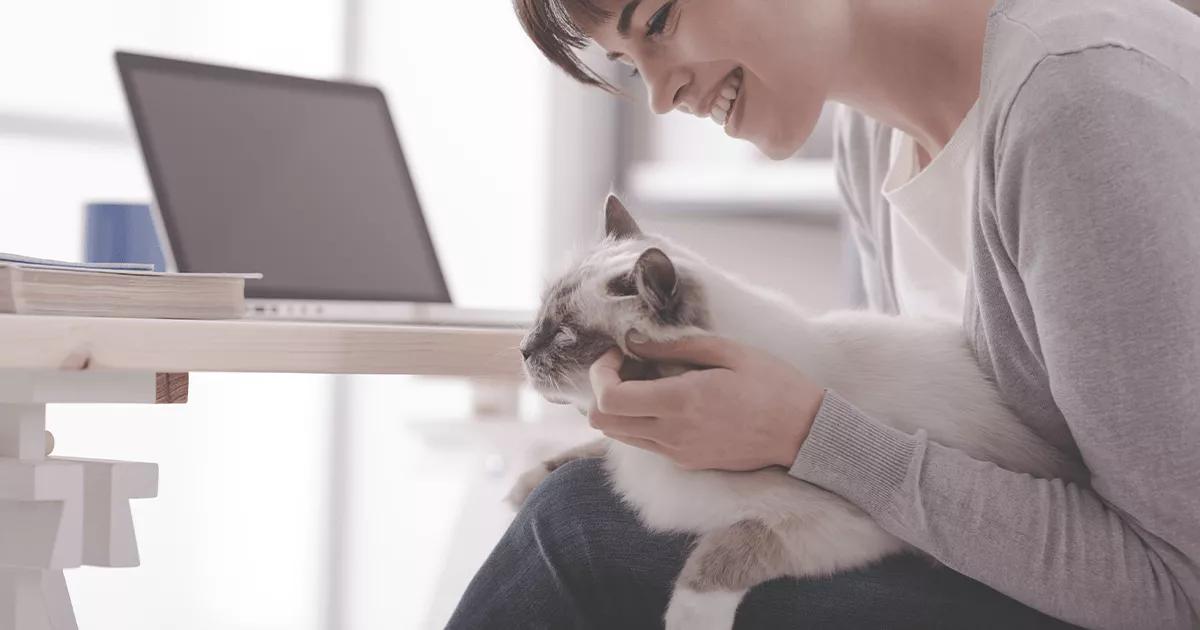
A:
<point x="727" y="97"/>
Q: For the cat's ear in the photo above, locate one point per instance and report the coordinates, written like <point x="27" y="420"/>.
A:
<point x="654" y="275"/>
<point x="618" y="223"/>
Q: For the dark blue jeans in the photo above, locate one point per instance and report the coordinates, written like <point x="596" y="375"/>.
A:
<point x="576" y="557"/>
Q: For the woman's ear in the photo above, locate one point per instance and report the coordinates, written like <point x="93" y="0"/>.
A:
<point x="618" y="223"/>
<point x="654" y="274"/>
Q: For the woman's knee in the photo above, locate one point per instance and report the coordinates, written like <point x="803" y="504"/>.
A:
<point x="618" y="573"/>
<point x="576" y="492"/>
<point x="570" y="519"/>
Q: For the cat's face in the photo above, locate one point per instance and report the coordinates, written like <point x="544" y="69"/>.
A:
<point x="628" y="282"/>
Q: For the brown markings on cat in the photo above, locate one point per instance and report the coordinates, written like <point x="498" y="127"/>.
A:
<point x="734" y="559"/>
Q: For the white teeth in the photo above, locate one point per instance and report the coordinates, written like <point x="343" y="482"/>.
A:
<point x="722" y="107"/>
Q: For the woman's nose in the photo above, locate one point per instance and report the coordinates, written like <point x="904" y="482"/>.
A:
<point x="666" y="93"/>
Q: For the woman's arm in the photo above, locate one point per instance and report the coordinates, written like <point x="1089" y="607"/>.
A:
<point x="1097" y="209"/>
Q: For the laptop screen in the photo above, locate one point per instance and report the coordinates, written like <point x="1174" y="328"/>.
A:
<point x="301" y="180"/>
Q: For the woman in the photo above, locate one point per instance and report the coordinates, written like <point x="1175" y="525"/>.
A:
<point x="1032" y="166"/>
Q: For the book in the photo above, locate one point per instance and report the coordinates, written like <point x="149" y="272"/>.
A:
<point x="47" y="287"/>
<point x="30" y="261"/>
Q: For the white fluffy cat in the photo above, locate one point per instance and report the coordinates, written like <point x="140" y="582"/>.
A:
<point x="756" y="526"/>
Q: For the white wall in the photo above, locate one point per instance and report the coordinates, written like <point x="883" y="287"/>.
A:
<point x="470" y="99"/>
<point x="56" y="55"/>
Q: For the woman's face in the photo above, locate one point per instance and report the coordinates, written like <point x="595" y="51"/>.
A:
<point x="773" y="57"/>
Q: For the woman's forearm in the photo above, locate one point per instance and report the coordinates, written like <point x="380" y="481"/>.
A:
<point x="1054" y="546"/>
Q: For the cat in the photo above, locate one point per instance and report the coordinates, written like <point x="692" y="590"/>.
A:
<point x="912" y="374"/>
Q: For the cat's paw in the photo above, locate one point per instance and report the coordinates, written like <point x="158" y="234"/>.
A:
<point x="525" y="484"/>
<point x="690" y="610"/>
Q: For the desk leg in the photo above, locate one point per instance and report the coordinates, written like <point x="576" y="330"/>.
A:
<point x="33" y="599"/>
<point x="58" y="513"/>
<point x="38" y="502"/>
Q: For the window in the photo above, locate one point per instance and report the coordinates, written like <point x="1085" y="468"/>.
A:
<point x="58" y="53"/>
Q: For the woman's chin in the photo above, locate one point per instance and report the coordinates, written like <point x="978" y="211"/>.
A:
<point x="777" y="152"/>
<point x="778" y="148"/>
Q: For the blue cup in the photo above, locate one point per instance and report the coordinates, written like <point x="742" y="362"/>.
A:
<point x="122" y="233"/>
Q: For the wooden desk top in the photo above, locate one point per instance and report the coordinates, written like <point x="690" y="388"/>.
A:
<point x="33" y="342"/>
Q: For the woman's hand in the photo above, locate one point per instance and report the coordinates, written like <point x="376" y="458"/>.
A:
<point x="743" y="410"/>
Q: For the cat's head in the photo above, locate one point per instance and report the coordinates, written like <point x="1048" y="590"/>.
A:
<point x="630" y="281"/>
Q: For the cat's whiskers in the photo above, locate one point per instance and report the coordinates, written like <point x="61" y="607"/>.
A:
<point x="506" y="350"/>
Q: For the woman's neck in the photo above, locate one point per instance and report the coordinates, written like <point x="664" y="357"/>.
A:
<point x="913" y="64"/>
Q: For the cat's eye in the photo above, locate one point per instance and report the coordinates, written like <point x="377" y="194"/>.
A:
<point x="622" y="286"/>
<point x="565" y="336"/>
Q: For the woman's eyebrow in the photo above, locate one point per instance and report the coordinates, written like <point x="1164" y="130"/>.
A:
<point x="627" y="17"/>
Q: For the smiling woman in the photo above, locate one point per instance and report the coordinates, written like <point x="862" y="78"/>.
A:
<point x="714" y="60"/>
<point x="1023" y="167"/>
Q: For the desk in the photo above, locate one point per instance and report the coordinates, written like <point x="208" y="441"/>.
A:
<point x="60" y="513"/>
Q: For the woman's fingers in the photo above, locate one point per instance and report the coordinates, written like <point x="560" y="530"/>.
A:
<point x="700" y="350"/>
<point x="645" y="445"/>
<point x="632" y="398"/>
<point x="647" y="428"/>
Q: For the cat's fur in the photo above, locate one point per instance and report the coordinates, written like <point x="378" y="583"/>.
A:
<point x="755" y="526"/>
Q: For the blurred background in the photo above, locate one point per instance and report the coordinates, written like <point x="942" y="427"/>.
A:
<point x="259" y="524"/>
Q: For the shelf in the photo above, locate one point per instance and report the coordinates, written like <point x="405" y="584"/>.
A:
<point x="794" y="188"/>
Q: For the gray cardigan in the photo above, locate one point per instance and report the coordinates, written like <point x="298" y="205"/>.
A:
<point x="1084" y="306"/>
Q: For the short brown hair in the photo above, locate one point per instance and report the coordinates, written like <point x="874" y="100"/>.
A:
<point x="557" y="28"/>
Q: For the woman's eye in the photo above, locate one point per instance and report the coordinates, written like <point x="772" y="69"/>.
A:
<point x="633" y="71"/>
<point x="658" y="21"/>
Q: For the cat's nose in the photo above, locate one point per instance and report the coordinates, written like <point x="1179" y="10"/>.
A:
<point x="525" y="353"/>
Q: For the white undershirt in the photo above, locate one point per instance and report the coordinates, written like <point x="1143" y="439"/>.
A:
<point x="930" y="219"/>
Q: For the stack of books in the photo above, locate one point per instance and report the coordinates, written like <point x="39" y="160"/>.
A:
<point x="36" y="286"/>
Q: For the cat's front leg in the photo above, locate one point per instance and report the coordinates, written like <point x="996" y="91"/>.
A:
<point x="534" y="476"/>
<point x="724" y="565"/>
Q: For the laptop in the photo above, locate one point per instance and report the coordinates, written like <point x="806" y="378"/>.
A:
<point x="300" y="179"/>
